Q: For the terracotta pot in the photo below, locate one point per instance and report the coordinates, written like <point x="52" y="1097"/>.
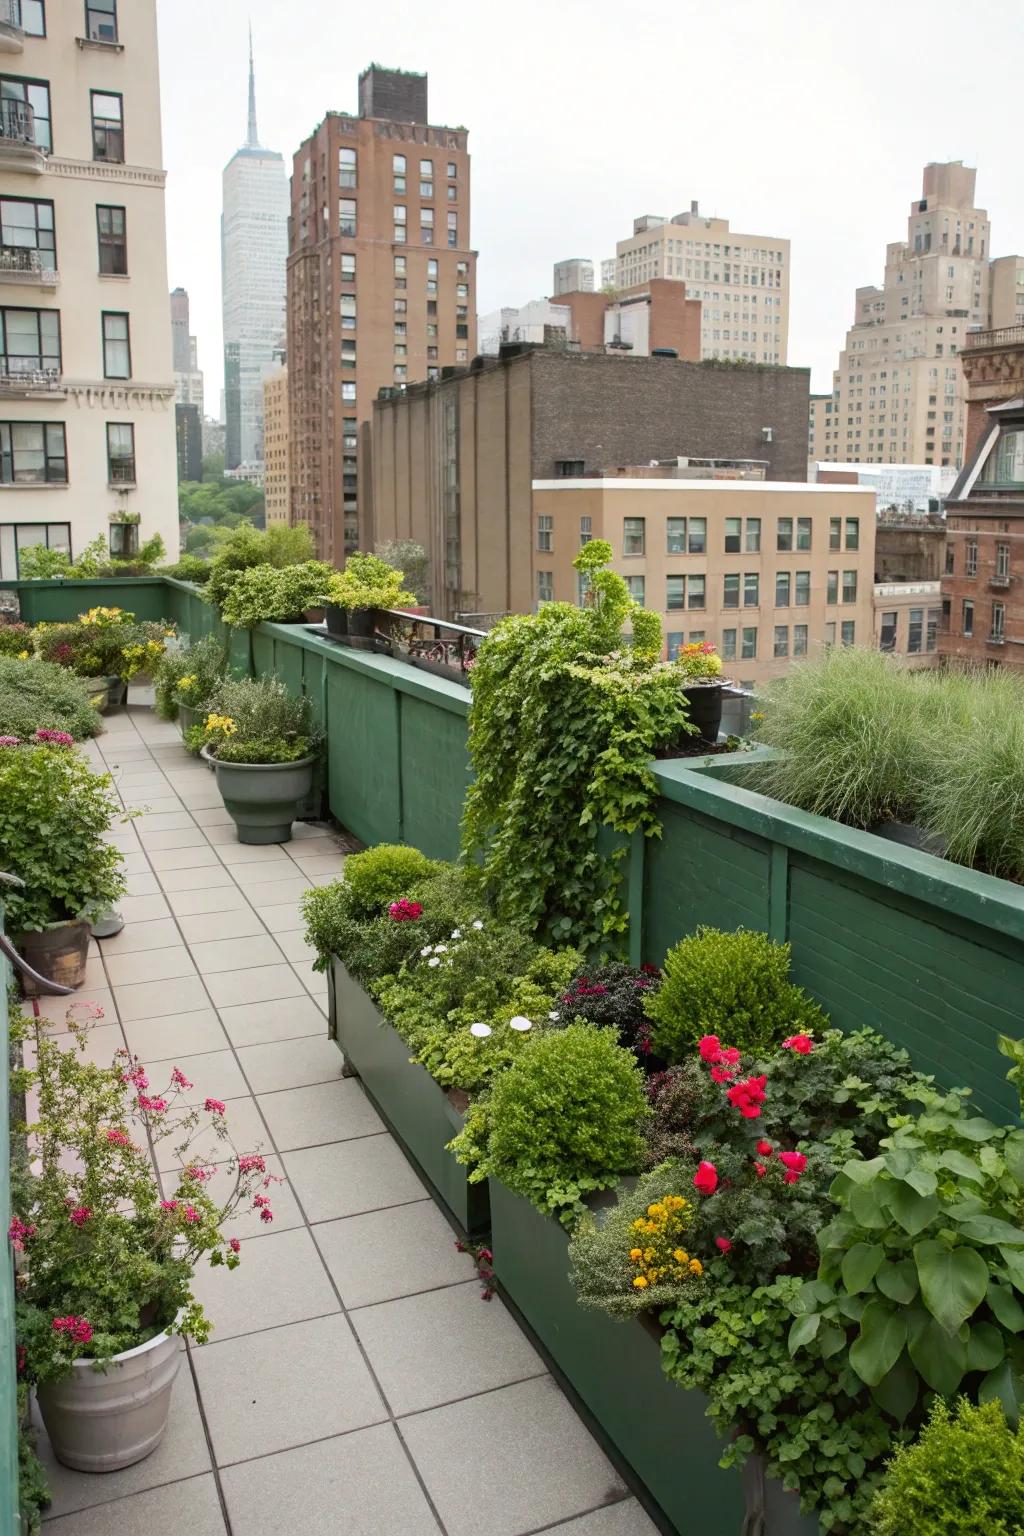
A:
<point x="59" y="953"/>
<point x="102" y="1420"/>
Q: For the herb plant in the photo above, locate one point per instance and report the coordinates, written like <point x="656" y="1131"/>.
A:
<point x="247" y="547"/>
<point x="36" y="694"/>
<point x="367" y="582"/>
<point x="963" y="1476"/>
<point x="188" y="675"/>
<point x="265" y="594"/>
<point x="256" y="720"/>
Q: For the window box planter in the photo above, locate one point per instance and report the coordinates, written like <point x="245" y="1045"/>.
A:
<point x="263" y="799"/>
<point x="422" y="1115"/>
<point x="350" y="623"/>
<point x="101" y="1421"/>
<point x="658" y="1431"/>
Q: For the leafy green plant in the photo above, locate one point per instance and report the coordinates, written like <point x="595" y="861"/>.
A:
<point x="104" y="642"/>
<point x="56" y="812"/>
<point x="381" y="875"/>
<point x="412" y="560"/>
<point x="188" y="568"/>
<point x="265" y="594"/>
<point x="38" y="563"/>
<point x="963" y="1476"/>
<point x="246" y="547"/>
<point x="256" y="720"/>
<point x="614" y="995"/>
<point x="563" y="1120"/>
<point x="731" y="984"/>
<point x="15" y="640"/>
<point x="35" y="695"/>
<point x="33" y="1488"/>
<point x="612" y="1252"/>
<point x="367" y="582"/>
<point x="699" y="662"/>
<point x="204" y="662"/>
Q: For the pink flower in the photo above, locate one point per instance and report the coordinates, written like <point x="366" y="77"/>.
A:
<point x="119" y="1139"/>
<point x="710" y="1049"/>
<point x="234" y="1245"/>
<point x="179" y="1079"/>
<point x="137" y="1077"/>
<point x="259" y="1200"/>
<point x="75" y="1327"/>
<point x="748" y="1097"/>
<point x="266" y="1214"/>
<point x="80" y="1215"/>
<point x="215" y="1106"/>
<point x="154" y="1106"/>
<point x="765" y="1148"/>
<point x="10" y="741"/>
<point x="721" y="1075"/>
<point x="191" y="1214"/>
<point x="723" y="1244"/>
<point x="405" y="911"/>
<point x="168" y="1205"/>
<point x="19" y="1233"/>
<point x="193" y="1171"/>
<point x="802" y="1044"/>
<point x="55" y="738"/>
<point x="705" y="1180"/>
<point x="796" y="1162"/>
<point x="253" y="1161"/>
<point x="760" y="1170"/>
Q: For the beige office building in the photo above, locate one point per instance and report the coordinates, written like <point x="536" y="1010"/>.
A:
<point x="765" y="570"/>
<point x="908" y="620"/>
<point x="742" y="281"/>
<point x="276" y="479"/>
<point x="1006" y="292"/>
<point x="86" y="380"/>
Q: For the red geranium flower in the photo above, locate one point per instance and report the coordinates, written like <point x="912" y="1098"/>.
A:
<point x="802" y="1044"/>
<point x="705" y="1180"/>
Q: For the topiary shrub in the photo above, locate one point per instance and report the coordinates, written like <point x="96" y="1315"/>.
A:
<point x="963" y="1477"/>
<point x="35" y="695"/>
<point x="382" y="875"/>
<point x="735" y="985"/>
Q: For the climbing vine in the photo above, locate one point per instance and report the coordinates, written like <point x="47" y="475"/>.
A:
<point x="565" y="718"/>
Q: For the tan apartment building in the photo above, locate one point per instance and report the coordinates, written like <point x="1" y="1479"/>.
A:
<point x="765" y="571"/>
<point x="454" y="462"/>
<point x="654" y="317"/>
<point x="820" y="429"/>
<point x="742" y="281"/>
<point x="381" y="288"/>
<point x="908" y="619"/>
<point x="1006" y="292"/>
<point x="87" y="426"/>
<point x="276" y="477"/>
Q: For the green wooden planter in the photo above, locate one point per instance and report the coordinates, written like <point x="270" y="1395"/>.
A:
<point x="420" y="1114"/>
<point x="668" y="1449"/>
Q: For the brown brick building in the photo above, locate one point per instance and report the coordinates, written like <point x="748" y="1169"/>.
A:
<point x="381" y="288"/>
<point x="983" y="582"/>
<point x="454" y="462"/>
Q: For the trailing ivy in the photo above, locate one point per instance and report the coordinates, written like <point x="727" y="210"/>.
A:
<point x="564" y="721"/>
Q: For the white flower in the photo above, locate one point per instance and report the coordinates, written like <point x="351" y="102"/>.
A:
<point x="481" y="1031"/>
<point x="440" y="949"/>
<point x="477" y="923"/>
<point x="553" y="1017"/>
<point x="433" y="960"/>
<point x="520" y="1023"/>
<point x="456" y="933"/>
<point x="426" y="950"/>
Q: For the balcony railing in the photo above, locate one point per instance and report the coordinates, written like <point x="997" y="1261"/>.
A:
<point x="996" y="580"/>
<point x="27" y="373"/>
<point x="995" y="639"/>
<point x="122" y="472"/>
<point x="17" y="122"/>
<point x="1005" y="336"/>
<point x="21" y="263"/>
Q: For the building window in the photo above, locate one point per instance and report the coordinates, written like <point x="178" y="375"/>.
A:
<point x="545" y="587"/>
<point x="101" y="21"/>
<point x="675" y="593"/>
<point x="401" y="373"/>
<point x="675" y="535"/>
<point x="120" y="453"/>
<point x="835" y="533"/>
<point x="117" y="352"/>
<point x="799" y="639"/>
<point x="853" y="533"/>
<point x="830" y="633"/>
<point x="802" y="594"/>
<point x="932" y="632"/>
<point x="698" y="536"/>
<point x="635" y="584"/>
<point x="346" y="168"/>
<point x="915" y="631"/>
<point x="586" y="530"/>
<point x="1005" y="464"/>
<point x="695" y="592"/>
<point x="780" y="645"/>
<point x="730" y="591"/>
<point x="971" y="558"/>
<point x="887" y="637"/>
<point x="847" y="632"/>
<point x="998" y="621"/>
<point x="348" y="267"/>
<point x="25" y="110"/>
<point x="832" y="587"/>
<point x="950" y="560"/>
<point x="348" y="392"/>
<point x="674" y="639"/>
<point x="849" y="586"/>
<point x="782" y="589"/>
<point x="348" y="311"/>
<point x="453" y="229"/>
<point x="17" y="537"/>
<point x="751" y="589"/>
<point x="33" y="18"/>
<point x="568" y="469"/>
<point x="346" y="216"/>
<point x="545" y="526"/>
<point x="400" y="271"/>
<point x="633" y="536"/>
<point x="733" y="535"/>
<point x="27" y="235"/>
<point x="453" y="170"/>
<point x="1003" y="561"/>
<point x="968" y="625"/>
<point x="753" y="544"/>
<point x="398" y="164"/>
<point x="749" y="651"/>
<point x="33" y="453"/>
<point x="728" y="645"/>
<point x="784" y="534"/>
<point x="462" y="290"/>
<point x="30" y="341"/>
<point x="113" y="242"/>
<point x="427" y="226"/>
<point x="107" y="125"/>
<point x="400" y="214"/>
<point x="803" y="533"/>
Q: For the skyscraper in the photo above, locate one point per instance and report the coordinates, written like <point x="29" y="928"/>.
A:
<point x="254" y="248"/>
<point x="188" y="377"/>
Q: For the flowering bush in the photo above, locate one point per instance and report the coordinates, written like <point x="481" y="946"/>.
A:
<point x="256" y="720"/>
<point x="105" y="642"/>
<point x="615" y="995"/>
<point x="36" y="694"/>
<point x="15" y="640"/>
<point x="105" y="1262"/>
<point x="699" y="662"/>
<point x="200" y="665"/>
<point x="639" y="1255"/>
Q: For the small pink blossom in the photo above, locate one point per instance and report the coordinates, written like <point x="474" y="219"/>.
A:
<point x="119" y="1139"/>
<point x="19" y="1233"/>
<point x="249" y="1163"/>
<point x="405" y="911"/>
<point x="55" y="738"/>
<point x="723" y="1244"/>
<point x="721" y="1075"/>
<point x="710" y="1048"/>
<point x="259" y="1200"/>
<point x="154" y="1106"/>
<point x="10" y="741"/>
<point x="80" y="1215"/>
<point x="191" y="1214"/>
<point x="802" y="1044"/>
<point x="168" y="1205"/>
<point x="730" y="1056"/>
<point x="266" y="1214"/>
<point x="760" y="1170"/>
<point x="75" y="1327"/>
<point x="791" y="1176"/>
<point x="215" y="1106"/>
<point x="796" y="1162"/>
<point x="234" y="1245"/>
<point x="179" y="1079"/>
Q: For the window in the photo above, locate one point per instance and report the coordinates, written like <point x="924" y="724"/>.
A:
<point x="784" y="533"/>
<point x="728" y="645"/>
<point x="25" y="110"/>
<point x="847" y="632"/>
<point x="853" y="533"/>
<point x="803" y="589"/>
<point x="400" y="213"/>
<point x="887" y="637"/>
<point x="635" y="585"/>
<point x="780" y="646"/>
<point x="30" y="341"/>
<point x="968" y="625"/>
<point x="33" y="453"/>
<point x="633" y="536"/>
<point x="698" y="536"/>
<point x="112" y="240"/>
<point x="431" y="306"/>
<point x="350" y="428"/>
<point x="120" y="453"/>
<point x="733" y="535"/>
<point x="675" y="535"/>
<point x="348" y="391"/>
<point x="730" y="591"/>
<point x="462" y="290"/>
<point x="849" y="586"/>
<point x="348" y="267"/>
<point x="107" y="125"/>
<point x="803" y="533"/>
<point x="346" y="216"/>
<point x="101" y="21"/>
<point x="1003" y="561"/>
<point x="751" y="589"/>
<point x="835" y="533"/>
<point x="749" y="651"/>
<point x="782" y="589"/>
<point x="401" y="306"/>
<point x="586" y="530"/>
<point x="398" y="164"/>
<point x="545" y="525"/>
<point x="832" y="587"/>
<point x="545" y="587"/>
<point x="830" y="633"/>
<point x="675" y="643"/>
<point x="400" y="271"/>
<point x="16" y="537"/>
<point x="675" y="593"/>
<point x="1005" y="464"/>
<point x="568" y="469"/>
<point x="453" y="229"/>
<point x="401" y="373"/>
<point x="971" y="557"/>
<point x="117" y="352"/>
<point x="33" y="18"/>
<point x="932" y="631"/>
<point x="453" y="193"/>
<point x="453" y="170"/>
<point x="27" y="235"/>
<point x="950" y="560"/>
<point x="915" y="631"/>
<point x="753" y="544"/>
<point x="799" y="639"/>
<point x="348" y="311"/>
<point x="695" y="592"/>
<point x="427" y="226"/>
<point x="346" y="168"/>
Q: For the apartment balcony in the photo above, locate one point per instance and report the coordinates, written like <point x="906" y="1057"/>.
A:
<point x="995" y="639"/>
<point x="1004" y="336"/>
<point x="18" y="264"/>
<point x="12" y="38"/>
<point x="18" y="148"/>
<point x="25" y="378"/>
<point x="122" y="472"/>
<point x="999" y="583"/>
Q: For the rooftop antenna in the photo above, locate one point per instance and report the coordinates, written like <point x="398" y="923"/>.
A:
<point x="252" y="140"/>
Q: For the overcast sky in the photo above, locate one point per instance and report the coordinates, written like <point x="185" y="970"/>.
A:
<point x="788" y="117"/>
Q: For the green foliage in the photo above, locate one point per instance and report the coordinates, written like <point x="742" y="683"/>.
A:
<point x="115" y="645"/>
<point x="602" y="1269"/>
<point x="265" y="594"/>
<point x="246" y="547"/>
<point x="563" y="1120"/>
<point x="368" y="582"/>
<point x="614" y="995"/>
<point x="224" y="503"/>
<point x="51" y="836"/>
<point x="963" y="1476"/>
<point x="381" y="875"/>
<point x="204" y="662"/>
<point x="188" y="568"/>
<point x="37" y="696"/>
<point x="735" y="985"/>
<point x="33" y="1488"/>
<point x="38" y="563"/>
<point x="14" y="639"/>
<point x="267" y="723"/>
<point x="411" y="559"/>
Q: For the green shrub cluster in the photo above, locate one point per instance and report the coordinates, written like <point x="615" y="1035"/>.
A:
<point x="266" y="594"/>
<point x="266" y="723"/>
<point x="38" y="563"/>
<point x="34" y="695"/>
<point x="964" y="1476"/>
<point x="248" y="547"/>
<point x="204" y="661"/>
<point x="15" y="639"/>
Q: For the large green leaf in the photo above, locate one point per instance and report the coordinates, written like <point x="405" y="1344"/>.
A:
<point x="921" y="1179"/>
<point x="898" y="1281"/>
<point x="953" y="1281"/>
<point x="958" y="1163"/>
<point x="989" y="1229"/>
<point x="897" y="1391"/>
<point x="1013" y="1153"/>
<point x="860" y="1266"/>
<point x="940" y="1357"/>
<point x="985" y="1347"/>
<point x="1005" y="1306"/>
<point x="831" y="1339"/>
<point x="863" y="1172"/>
<point x="867" y="1208"/>
<point x="972" y="1129"/>
<point x="1005" y="1385"/>
<point x="875" y="1350"/>
<point x="1013" y="1258"/>
<point x="803" y="1331"/>
<point x="911" y="1210"/>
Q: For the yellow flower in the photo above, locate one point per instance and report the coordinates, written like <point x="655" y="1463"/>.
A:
<point x="23" y="655"/>
<point x="696" y="1267"/>
<point x="639" y="1282"/>
<point x="223" y="723"/>
<point x="169" y="633"/>
<point x="635" y="1253"/>
<point x="681" y="1256"/>
<point x="656" y="1209"/>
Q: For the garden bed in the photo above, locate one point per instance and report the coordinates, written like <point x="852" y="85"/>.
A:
<point x="423" y="1116"/>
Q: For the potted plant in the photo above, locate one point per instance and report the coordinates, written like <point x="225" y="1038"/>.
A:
<point x="263" y="747"/>
<point x="105" y="1263"/>
<point x="268" y="594"/>
<point x="701" y="665"/>
<point x="354" y="596"/>
<point x="185" y="678"/>
<point x="56" y="812"/>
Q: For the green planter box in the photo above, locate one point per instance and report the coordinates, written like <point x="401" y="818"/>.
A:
<point x="668" y="1449"/>
<point x="420" y="1114"/>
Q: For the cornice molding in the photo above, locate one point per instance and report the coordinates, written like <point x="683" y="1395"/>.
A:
<point x="103" y="170"/>
<point x="110" y="395"/>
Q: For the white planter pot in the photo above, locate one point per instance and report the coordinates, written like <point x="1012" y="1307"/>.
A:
<point x="100" y="1421"/>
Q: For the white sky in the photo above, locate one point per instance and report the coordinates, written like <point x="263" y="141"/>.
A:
<point x="788" y="117"/>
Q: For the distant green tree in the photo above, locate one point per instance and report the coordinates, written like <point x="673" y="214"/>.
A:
<point x="213" y="466"/>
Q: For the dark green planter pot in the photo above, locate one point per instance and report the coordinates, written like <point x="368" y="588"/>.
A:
<point x="263" y="799"/>
<point x="420" y="1114"/>
<point x="116" y="691"/>
<point x="659" y="1433"/>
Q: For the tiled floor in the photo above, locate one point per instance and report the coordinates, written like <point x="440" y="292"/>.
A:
<point x="356" y="1384"/>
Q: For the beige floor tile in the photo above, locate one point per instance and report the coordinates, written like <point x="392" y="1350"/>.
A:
<point x="294" y="947"/>
<point x="288" y="1018"/>
<point x="213" y="1075"/>
<point x="55" y="1008"/>
<point x="257" y="984"/>
<point x="274" y="893"/>
<point x="183" y="1034"/>
<point x="375" y="1257"/>
<point x="244" y="1132"/>
<point x="318" y="1114"/>
<point x="141" y="934"/>
<point x="286" y="918"/>
<point x="204" y="878"/>
<point x="101" y="1044"/>
<point x="254" y="853"/>
<point x="331" y="866"/>
<point x="258" y="872"/>
<point x="191" y="1506"/>
<point x="200" y="857"/>
<point x="291" y="1063"/>
<point x="315" y="982"/>
<point x="203" y="928"/>
<point x="144" y="900"/>
<point x="200" y="799"/>
<point x="183" y="838"/>
<point x="280" y="1280"/>
<point x="216" y="816"/>
<point x="149" y="965"/>
<point x="156" y="999"/>
<point x="135" y="864"/>
<point x="153" y="805"/>
<point x="235" y="954"/>
<point x="164" y="821"/>
<point x="349" y="1177"/>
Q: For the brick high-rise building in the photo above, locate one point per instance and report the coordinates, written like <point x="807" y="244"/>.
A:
<point x="381" y="288"/>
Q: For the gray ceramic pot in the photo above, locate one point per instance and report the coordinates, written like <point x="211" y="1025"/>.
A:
<point x="100" y="1421"/>
<point x="263" y="799"/>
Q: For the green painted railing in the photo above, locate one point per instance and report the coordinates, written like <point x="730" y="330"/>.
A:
<point x="10" y="1521"/>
